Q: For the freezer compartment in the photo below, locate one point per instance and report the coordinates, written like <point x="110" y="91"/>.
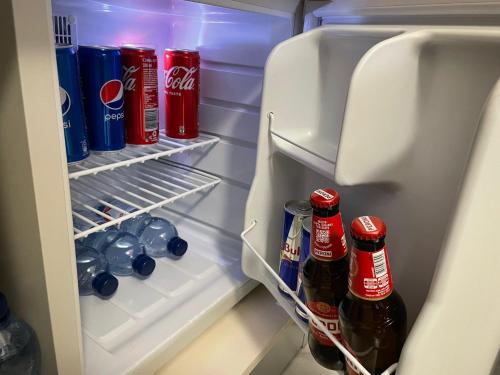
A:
<point x="413" y="106"/>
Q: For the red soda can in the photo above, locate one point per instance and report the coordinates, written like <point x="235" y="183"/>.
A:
<point x="140" y="83"/>
<point x="182" y="93"/>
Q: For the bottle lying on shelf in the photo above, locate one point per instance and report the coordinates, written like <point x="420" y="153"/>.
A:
<point x="93" y="275"/>
<point x="19" y="348"/>
<point x="159" y="236"/>
<point x="123" y="251"/>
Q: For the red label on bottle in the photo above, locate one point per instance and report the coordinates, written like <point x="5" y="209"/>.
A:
<point x="328" y="238"/>
<point x="329" y="316"/>
<point x="369" y="274"/>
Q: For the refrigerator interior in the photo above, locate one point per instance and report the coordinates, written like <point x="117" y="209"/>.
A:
<point x="147" y="322"/>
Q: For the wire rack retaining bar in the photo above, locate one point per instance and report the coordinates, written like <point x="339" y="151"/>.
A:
<point x="391" y="369"/>
<point x="98" y="162"/>
<point x="142" y="187"/>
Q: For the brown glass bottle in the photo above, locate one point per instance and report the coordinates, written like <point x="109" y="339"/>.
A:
<point x="325" y="276"/>
<point x="372" y="315"/>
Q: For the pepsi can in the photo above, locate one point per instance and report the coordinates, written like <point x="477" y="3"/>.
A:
<point x="75" y="130"/>
<point x="304" y="253"/>
<point x="295" y="213"/>
<point x="101" y="74"/>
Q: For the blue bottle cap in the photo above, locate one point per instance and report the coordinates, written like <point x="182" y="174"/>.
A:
<point x="105" y="284"/>
<point x="4" y="308"/>
<point x="144" y="265"/>
<point x="177" y="246"/>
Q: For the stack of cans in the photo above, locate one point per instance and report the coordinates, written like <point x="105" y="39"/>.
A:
<point x="117" y="101"/>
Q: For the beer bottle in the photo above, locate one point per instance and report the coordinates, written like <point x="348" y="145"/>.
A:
<point x="325" y="276"/>
<point x="373" y="315"/>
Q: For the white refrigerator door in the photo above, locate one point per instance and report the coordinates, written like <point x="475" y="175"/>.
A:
<point x="388" y="116"/>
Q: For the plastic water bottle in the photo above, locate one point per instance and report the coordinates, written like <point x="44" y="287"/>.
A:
<point x="19" y="349"/>
<point x="93" y="275"/>
<point x="159" y="236"/>
<point x="123" y="251"/>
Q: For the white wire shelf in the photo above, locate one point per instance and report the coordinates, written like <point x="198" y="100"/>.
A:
<point x="132" y="154"/>
<point x="390" y="370"/>
<point x="143" y="187"/>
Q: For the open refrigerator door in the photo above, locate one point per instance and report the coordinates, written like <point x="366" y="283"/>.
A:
<point x="387" y="114"/>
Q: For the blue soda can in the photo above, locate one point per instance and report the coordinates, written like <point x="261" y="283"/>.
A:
<point x="295" y="213"/>
<point x="75" y="130"/>
<point x="101" y="73"/>
<point x="304" y="253"/>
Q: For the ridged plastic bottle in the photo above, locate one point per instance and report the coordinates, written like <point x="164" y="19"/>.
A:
<point x="159" y="236"/>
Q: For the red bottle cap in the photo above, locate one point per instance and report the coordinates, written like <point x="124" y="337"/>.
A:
<point x="368" y="228"/>
<point x="324" y="198"/>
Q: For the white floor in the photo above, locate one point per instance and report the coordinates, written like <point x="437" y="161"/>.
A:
<point x="304" y="363"/>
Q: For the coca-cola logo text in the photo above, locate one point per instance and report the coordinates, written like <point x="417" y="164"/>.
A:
<point x="180" y="77"/>
<point x="128" y="79"/>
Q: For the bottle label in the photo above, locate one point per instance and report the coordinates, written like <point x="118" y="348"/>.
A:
<point x="327" y="238"/>
<point x="329" y="316"/>
<point x="369" y="274"/>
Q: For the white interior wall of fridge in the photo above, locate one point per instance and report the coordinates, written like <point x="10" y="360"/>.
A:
<point x="148" y="322"/>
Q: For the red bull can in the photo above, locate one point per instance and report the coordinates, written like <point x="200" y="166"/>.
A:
<point x="304" y="253"/>
<point x="102" y="87"/>
<point x="295" y="212"/>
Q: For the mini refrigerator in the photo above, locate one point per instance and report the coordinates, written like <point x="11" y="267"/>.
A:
<point x="393" y="103"/>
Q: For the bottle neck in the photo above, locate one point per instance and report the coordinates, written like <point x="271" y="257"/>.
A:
<point x="326" y="211"/>
<point x="327" y="234"/>
<point x="370" y="275"/>
<point x="369" y="246"/>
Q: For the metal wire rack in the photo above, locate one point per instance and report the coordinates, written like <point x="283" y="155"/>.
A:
<point x="111" y="197"/>
<point x="99" y="162"/>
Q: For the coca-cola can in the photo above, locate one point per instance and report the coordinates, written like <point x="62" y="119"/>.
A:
<point x="182" y="93"/>
<point x="140" y="84"/>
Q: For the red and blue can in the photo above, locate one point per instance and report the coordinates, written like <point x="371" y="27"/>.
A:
<point x="295" y="212"/>
<point x="101" y="75"/>
<point x="304" y="253"/>
<point x="75" y="130"/>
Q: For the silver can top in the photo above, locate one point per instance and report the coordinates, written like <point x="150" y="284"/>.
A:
<point x="299" y="207"/>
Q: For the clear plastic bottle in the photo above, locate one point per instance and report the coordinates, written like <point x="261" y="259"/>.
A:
<point x="19" y="349"/>
<point x="159" y="236"/>
<point x="123" y="251"/>
<point x="93" y="275"/>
